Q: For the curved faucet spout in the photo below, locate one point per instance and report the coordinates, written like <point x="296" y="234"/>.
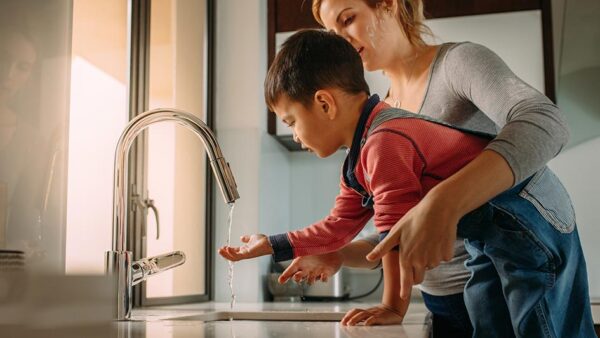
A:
<point x="220" y="167"/>
<point x="119" y="260"/>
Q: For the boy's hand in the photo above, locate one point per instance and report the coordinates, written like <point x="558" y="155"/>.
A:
<point x="426" y="236"/>
<point x="312" y="268"/>
<point x="378" y="315"/>
<point x="255" y="246"/>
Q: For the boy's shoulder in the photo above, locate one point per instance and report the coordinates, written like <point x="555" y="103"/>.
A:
<point x="400" y="122"/>
<point x="398" y="132"/>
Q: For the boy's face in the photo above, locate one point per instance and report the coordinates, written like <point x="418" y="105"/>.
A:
<point x="312" y="126"/>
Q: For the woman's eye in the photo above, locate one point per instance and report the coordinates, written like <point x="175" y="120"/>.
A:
<point x="348" y="20"/>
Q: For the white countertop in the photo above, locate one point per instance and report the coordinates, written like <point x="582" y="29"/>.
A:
<point x="82" y="306"/>
<point x="166" y="321"/>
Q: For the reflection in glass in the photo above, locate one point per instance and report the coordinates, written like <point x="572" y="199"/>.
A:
<point x="34" y="45"/>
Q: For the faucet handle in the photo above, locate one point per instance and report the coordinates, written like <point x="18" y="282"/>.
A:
<point x="146" y="204"/>
<point x="145" y="267"/>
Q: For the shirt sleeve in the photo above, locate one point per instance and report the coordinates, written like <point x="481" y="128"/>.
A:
<point x="533" y="130"/>
<point x="394" y="167"/>
<point x="347" y="218"/>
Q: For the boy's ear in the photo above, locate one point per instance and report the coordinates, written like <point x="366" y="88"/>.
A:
<point x="325" y="103"/>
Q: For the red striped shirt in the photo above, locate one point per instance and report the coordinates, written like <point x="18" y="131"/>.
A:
<point x="400" y="162"/>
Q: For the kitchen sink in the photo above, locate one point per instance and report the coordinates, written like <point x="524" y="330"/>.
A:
<point x="284" y="316"/>
<point x="301" y="316"/>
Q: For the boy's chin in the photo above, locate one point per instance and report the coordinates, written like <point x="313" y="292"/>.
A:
<point x="322" y="154"/>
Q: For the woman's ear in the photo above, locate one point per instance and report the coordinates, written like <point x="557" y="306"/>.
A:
<point x="325" y="103"/>
<point x="390" y="6"/>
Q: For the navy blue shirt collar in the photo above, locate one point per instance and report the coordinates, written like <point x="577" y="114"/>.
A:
<point x="354" y="153"/>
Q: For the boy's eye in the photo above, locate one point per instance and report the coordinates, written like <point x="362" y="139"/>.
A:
<point x="348" y="20"/>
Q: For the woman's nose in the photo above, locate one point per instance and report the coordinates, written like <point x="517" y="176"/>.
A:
<point x="8" y="70"/>
<point x="295" y="137"/>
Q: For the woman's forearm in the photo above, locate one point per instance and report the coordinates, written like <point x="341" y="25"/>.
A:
<point x="479" y="181"/>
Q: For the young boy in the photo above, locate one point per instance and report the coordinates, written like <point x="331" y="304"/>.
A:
<point x="525" y="251"/>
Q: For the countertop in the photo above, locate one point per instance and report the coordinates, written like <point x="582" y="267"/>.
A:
<point x="83" y="306"/>
<point x="178" y="321"/>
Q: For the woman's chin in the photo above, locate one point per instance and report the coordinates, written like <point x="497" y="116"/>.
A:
<point x="369" y="67"/>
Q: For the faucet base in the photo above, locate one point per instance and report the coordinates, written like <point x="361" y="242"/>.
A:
<point x="118" y="265"/>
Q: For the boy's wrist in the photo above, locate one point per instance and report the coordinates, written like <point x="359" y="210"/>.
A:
<point x="281" y="247"/>
<point x="394" y="302"/>
<point x="396" y="310"/>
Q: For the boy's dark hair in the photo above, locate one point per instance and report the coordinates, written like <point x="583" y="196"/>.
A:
<point x="311" y="60"/>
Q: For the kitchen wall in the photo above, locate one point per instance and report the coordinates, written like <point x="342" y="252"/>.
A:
<point x="260" y="165"/>
<point x="281" y="191"/>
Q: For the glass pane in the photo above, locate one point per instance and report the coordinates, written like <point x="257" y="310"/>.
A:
<point x="579" y="73"/>
<point x="34" y="60"/>
<point x="98" y="114"/>
<point x="176" y="158"/>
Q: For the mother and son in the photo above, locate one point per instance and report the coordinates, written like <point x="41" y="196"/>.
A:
<point x="451" y="165"/>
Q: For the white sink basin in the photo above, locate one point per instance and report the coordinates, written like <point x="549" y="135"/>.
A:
<point x="301" y="316"/>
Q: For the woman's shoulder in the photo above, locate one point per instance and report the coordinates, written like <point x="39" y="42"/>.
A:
<point x="466" y="60"/>
<point x="466" y="52"/>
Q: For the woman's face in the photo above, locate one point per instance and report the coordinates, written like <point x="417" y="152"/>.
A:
<point x="17" y="57"/>
<point x="373" y="32"/>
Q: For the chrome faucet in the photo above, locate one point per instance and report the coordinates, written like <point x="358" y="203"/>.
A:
<point x="118" y="261"/>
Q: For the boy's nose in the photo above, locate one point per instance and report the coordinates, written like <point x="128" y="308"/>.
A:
<point x="295" y="137"/>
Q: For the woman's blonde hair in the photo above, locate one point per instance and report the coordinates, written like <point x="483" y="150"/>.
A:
<point x="410" y="15"/>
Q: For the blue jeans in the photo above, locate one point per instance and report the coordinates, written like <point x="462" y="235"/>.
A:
<point x="528" y="276"/>
<point x="450" y="316"/>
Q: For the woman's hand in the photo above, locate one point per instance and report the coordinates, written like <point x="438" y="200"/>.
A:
<point x="378" y="315"/>
<point x="254" y="246"/>
<point x="312" y="268"/>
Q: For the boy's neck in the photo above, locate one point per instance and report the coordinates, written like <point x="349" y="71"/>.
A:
<point x="356" y="111"/>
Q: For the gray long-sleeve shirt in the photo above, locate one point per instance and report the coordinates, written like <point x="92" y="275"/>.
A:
<point x="471" y="87"/>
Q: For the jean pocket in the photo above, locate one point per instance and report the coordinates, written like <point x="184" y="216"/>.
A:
<point x="550" y="198"/>
<point x="515" y="243"/>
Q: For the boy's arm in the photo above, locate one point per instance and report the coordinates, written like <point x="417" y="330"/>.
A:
<point x="391" y="287"/>
<point x="354" y="254"/>
<point x="321" y="267"/>
<point x="347" y="218"/>
<point x="345" y="221"/>
<point x="393" y="308"/>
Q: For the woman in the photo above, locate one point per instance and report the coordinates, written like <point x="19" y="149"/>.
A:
<point x="21" y="148"/>
<point x="464" y="84"/>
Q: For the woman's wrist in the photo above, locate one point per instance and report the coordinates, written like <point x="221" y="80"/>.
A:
<point x="451" y="197"/>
